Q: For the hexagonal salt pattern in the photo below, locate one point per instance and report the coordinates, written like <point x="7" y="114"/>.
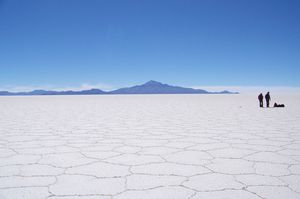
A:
<point x="148" y="146"/>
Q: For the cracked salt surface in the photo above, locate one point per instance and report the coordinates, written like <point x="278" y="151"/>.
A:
<point x="148" y="146"/>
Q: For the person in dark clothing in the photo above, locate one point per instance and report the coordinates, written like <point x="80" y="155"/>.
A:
<point x="268" y="98"/>
<point x="260" y="99"/>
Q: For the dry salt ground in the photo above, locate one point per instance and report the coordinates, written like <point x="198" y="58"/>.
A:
<point x="149" y="147"/>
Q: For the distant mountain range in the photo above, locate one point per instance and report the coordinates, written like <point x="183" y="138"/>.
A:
<point x="150" y="87"/>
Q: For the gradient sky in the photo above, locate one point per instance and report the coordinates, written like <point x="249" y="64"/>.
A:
<point x="113" y="43"/>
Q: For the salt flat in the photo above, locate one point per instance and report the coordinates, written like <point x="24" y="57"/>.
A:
<point x="149" y="146"/>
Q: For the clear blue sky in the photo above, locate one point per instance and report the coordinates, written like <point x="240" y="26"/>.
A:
<point x="125" y="42"/>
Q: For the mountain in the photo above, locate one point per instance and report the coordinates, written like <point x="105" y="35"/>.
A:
<point x="227" y="92"/>
<point x="154" y="87"/>
<point x="151" y="87"/>
<point x="4" y="93"/>
<point x="83" y="92"/>
<point x="44" y="92"/>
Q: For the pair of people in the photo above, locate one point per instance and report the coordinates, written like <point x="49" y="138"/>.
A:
<point x="261" y="99"/>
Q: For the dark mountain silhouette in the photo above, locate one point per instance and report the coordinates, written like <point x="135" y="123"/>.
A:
<point x="154" y="87"/>
<point x="151" y="87"/>
<point x="44" y="92"/>
<point x="225" y="92"/>
<point x="4" y="93"/>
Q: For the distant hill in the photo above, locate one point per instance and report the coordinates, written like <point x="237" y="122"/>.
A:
<point x="154" y="87"/>
<point x="44" y="92"/>
<point x="150" y="87"/>
<point x="227" y="92"/>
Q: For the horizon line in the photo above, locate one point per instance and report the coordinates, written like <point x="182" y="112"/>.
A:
<point x="108" y="88"/>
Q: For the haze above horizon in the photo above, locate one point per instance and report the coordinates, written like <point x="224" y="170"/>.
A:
<point x="110" y="44"/>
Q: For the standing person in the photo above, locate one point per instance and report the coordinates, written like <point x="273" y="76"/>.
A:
<point x="268" y="98"/>
<point x="260" y="99"/>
